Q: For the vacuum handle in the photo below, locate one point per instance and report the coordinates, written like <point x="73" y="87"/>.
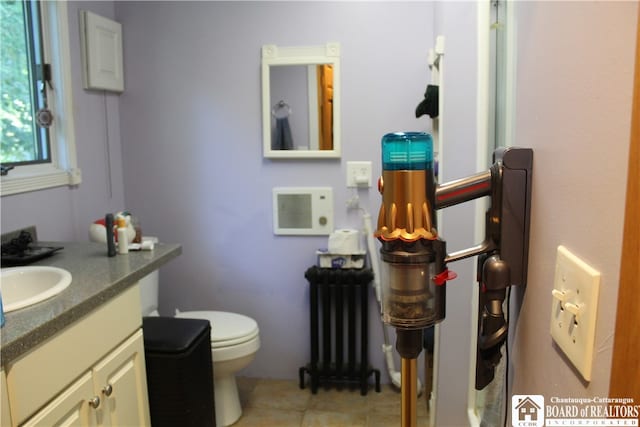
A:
<point x="492" y="324"/>
<point x="463" y="190"/>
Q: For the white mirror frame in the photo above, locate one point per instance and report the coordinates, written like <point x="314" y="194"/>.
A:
<point x="300" y="55"/>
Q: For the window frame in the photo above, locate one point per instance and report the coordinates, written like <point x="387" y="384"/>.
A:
<point x="63" y="168"/>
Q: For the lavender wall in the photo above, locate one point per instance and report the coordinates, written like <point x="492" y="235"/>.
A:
<point x="192" y="145"/>
<point x="574" y="109"/>
<point x="65" y="213"/>
<point x="194" y="172"/>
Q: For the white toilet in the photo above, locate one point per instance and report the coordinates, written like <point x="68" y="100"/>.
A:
<point x="234" y="343"/>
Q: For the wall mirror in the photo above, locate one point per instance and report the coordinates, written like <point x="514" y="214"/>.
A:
<point x="301" y="101"/>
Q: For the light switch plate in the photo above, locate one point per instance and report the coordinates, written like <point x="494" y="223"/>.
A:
<point x="574" y="309"/>
<point x="359" y="174"/>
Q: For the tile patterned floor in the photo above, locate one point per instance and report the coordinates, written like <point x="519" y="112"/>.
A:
<point x="281" y="403"/>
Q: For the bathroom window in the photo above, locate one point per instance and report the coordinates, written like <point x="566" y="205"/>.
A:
<point x="37" y="139"/>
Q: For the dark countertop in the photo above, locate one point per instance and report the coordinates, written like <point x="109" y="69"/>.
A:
<point x="96" y="279"/>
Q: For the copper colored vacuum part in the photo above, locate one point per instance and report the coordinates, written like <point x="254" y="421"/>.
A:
<point x="409" y="392"/>
<point x="405" y="213"/>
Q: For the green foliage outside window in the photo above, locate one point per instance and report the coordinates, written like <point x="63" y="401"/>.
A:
<point x="18" y="134"/>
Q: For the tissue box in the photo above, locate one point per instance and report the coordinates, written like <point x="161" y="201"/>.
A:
<point x="330" y="260"/>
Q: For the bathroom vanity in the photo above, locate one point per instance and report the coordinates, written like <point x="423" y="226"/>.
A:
<point x="79" y="357"/>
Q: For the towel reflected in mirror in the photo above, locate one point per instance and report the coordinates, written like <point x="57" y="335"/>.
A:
<point x="281" y="138"/>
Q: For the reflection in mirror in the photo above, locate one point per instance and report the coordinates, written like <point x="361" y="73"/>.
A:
<point x="300" y="97"/>
<point x="302" y="107"/>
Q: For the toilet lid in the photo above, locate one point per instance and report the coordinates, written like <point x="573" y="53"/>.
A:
<point x="225" y="327"/>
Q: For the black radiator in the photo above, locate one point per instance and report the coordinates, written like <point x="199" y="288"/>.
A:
<point x="339" y="301"/>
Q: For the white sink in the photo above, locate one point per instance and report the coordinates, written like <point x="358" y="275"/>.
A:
<point x="25" y="286"/>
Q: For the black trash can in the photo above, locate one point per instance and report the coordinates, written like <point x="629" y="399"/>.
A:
<point x="179" y="371"/>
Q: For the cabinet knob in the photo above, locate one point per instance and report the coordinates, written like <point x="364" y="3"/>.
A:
<point x="107" y="390"/>
<point x="94" y="402"/>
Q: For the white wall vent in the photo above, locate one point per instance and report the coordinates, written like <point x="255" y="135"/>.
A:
<point x="303" y="210"/>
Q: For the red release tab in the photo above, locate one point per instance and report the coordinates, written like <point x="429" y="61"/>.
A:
<point x="441" y="279"/>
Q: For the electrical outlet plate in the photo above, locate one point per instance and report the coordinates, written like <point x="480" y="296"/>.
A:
<point x="574" y="309"/>
<point x="359" y="174"/>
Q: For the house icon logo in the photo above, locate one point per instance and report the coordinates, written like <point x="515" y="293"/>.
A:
<point x="527" y="410"/>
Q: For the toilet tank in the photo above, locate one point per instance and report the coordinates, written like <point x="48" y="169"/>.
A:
<point x="149" y="294"/>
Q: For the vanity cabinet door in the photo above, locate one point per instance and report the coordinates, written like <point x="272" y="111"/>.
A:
<point x="70" y="408"/>
<point x="121" y="382"/>
<point x="5" y="414"/>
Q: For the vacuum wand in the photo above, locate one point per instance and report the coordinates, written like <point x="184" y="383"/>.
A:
<point x="409" y="345"/>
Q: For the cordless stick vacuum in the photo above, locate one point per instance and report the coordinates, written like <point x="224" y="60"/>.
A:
<point x="414" y="269"/>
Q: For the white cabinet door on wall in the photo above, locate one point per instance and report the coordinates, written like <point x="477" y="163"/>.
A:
<point x="69" y="408"/>
<point x="120" y="381"/>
